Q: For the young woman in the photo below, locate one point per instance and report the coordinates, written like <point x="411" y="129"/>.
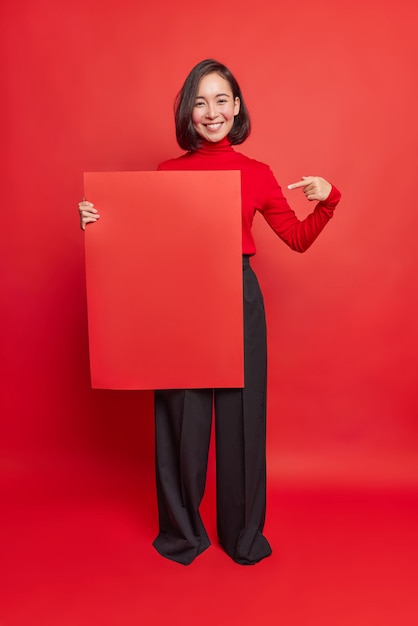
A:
<point x="211" y="117"/>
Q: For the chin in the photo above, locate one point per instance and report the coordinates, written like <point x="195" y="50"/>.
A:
<point x="215" y="138"/>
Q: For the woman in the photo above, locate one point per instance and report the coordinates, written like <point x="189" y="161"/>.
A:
<point x="211" y="117"/>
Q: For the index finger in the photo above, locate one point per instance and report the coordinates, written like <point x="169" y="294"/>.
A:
<point x="300" y="183"/>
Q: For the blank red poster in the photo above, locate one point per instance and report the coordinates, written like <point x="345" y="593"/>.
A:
<point x="164" y="280"/>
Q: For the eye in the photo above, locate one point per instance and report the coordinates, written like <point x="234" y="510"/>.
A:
<point x="199" y="104"/>
<point x="222" y="101"/>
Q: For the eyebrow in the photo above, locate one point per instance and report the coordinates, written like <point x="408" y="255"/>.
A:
<point x="217" y="96"/>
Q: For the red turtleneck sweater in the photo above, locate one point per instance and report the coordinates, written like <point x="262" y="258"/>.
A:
<point x="260" y="192"/>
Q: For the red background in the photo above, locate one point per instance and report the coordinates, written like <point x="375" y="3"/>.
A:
<point x="332" y="91"/>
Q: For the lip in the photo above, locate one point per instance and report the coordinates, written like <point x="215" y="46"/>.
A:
<point x="214" y="126"/>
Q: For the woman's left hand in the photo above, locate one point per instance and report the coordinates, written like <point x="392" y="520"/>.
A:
<point x="314" y="187"/>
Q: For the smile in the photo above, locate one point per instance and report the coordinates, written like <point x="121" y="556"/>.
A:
<point x="214" y="126"/>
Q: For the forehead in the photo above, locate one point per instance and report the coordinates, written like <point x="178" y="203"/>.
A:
<point x="213" y="84"/>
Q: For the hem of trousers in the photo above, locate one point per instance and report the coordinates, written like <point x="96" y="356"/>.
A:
<point x="180" y="557"/>
<point x="264" y="550"/>
<point x="245" y="561"/>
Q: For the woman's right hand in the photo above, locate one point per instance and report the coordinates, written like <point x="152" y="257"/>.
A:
<point x="88" y="213"/>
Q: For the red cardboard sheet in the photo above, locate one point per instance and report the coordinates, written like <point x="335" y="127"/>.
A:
<point x="164" y="280"/>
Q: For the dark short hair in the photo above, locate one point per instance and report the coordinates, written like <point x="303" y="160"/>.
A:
<point x="187" y="137"/>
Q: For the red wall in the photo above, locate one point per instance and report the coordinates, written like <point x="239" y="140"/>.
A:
<point x="89" y="85"/>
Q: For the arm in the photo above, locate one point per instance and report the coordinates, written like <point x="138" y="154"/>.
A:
<point x="300" y="234"/>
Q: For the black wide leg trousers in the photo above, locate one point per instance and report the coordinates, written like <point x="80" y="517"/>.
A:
<point x="183" y="424"/>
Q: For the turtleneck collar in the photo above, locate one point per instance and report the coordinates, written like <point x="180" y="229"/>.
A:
<point x="209" y="147"/>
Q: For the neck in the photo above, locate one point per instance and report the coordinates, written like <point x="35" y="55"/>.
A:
<point x="209" y="147"/>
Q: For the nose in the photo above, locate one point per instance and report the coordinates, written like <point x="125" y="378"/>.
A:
<point x="211" y="111"/>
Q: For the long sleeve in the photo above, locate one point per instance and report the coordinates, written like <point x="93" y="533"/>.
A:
<point x="297" y="234"/>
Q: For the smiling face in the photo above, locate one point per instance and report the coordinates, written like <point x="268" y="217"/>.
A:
<point x="215" y="108"/>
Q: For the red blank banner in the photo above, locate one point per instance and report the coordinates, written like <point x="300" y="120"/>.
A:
<point x="164" y="280"/>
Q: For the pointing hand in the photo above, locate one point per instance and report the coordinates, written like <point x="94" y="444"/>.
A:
<point x="314" y="187"/>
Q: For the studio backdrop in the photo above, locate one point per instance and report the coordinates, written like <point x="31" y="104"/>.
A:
<point x="90" y="86"/>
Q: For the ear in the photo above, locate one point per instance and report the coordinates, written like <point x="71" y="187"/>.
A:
<point x="237" y="105"/>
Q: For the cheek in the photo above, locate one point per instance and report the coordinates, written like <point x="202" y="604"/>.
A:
<point x="230" y="114"/>
<point x="196" y="116"/>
